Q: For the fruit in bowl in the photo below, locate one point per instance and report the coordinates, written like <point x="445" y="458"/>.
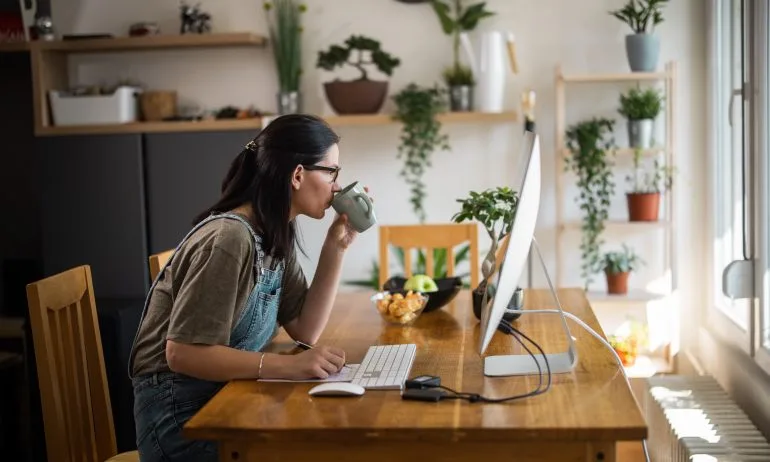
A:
<point x="420" y="283"/>
<point x="445" y="291"/>
<point x="401" y="309"/>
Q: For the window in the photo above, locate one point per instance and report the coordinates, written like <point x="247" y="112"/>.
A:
<point x="762" y="125"/>
<point x="740" y="162"/>
<point x="727" y="154"/>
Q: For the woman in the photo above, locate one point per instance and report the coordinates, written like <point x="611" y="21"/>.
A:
<point x="233" y="280"/>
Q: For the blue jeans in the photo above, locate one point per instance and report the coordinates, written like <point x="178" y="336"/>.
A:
<point x="163" y="403"/>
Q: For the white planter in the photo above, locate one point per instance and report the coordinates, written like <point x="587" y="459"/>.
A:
<point x="117" y="108"/>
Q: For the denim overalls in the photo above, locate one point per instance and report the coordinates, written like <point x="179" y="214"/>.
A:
<point x="165" y="401"/>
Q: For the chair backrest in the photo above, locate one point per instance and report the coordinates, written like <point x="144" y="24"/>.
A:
<point x="157" y="262"/>
<point x="70" y="365"/>
<point x="429" y="237"/>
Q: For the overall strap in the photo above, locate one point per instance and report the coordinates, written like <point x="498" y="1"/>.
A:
<point x="258" y="256"/>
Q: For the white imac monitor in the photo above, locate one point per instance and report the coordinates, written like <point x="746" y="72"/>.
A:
<point x="508" y="275"/>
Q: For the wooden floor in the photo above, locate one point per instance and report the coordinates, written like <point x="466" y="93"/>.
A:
<point x="630" y="452"/>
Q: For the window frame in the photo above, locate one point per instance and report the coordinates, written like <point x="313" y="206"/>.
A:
<point x="761" y="74"/>
<point x="717" y="320"/>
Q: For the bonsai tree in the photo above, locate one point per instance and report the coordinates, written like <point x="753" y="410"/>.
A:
<point x="640" y="108"/>
<point x="641" y="46"/>
<point x="495" y="209"/>
<point x="617" y="266"/>
<point x="421" y="135"/>
<point x="456" y="19"/>
<point x="361" y="95"/>
<point x="589" y="143"/>
<point x="646" y="188"/>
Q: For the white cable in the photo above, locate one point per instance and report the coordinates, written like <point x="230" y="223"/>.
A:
<point x="604" y="342"/>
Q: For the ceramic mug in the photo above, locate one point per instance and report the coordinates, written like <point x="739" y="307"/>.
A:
<point x="357" y="205"/>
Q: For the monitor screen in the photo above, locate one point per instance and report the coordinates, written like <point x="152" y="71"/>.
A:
<point x="506" y="278"/>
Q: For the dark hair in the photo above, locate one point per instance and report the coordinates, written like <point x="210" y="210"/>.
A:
<point x="261" y="176"/>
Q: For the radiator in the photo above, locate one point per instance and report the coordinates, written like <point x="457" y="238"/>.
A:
<point x="692" y="419"/>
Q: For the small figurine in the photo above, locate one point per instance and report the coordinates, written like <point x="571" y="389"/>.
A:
<point x="194" y="20"/>
<point x="44" y="28"/>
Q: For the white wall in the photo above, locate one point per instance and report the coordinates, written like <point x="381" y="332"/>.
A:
<point x="580" y="36"/>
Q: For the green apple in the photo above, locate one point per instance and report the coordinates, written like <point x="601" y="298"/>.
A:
<point x="420" y="283"/>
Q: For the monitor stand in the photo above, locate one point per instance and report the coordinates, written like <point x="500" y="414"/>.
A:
<point x="508" y="365"/>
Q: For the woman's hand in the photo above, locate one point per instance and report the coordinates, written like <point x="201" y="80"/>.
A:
<point x="341" y="234"/>
<point x="320" y="362"/>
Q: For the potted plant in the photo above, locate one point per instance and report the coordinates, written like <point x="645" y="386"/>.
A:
<point x="640" y="108"/>
<point x="284" y="25"/>
<point x="495" y="210"/>
<point x="589" y="144"/>
<point x="421" y="135"/>
<point x="644" y="198"/>
<point x="642" y="47"/>
<point x="362" y="95"/>
<point x="454" y="20"/>
<point x="617" y="266"/>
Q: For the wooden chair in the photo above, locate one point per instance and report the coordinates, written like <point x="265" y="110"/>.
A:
<point x="70" y="365"/>
<point x="429" y="237"/>
<point x="157" y="261"/>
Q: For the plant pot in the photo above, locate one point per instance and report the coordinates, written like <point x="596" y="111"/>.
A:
<point x="512" y="312"/>
<point x="640" y="133"/>
<point x="289" y="102"/>
<point x="617" y="283"/>
<point x="461" y="98"/>
<point x="642" y="52"/>
<point x="357" y="96"/>
<point x="643" y="206"/>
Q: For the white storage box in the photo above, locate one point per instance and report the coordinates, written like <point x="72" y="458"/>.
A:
<point x="117" y="108"/>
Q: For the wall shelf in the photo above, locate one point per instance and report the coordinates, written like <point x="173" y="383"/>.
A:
<point x="613" y="77"/>
<point x="151" y="42"/>
<point x="634" y="296"/>
<point x="13" y="47"/>
<point x="50" y="71"/>
<point x="666" y="224"/>
<point x="615" y="224"/>
<point x="448" y="117"/>
<point x="154" y="127"/>
<point x="256" y="124"/>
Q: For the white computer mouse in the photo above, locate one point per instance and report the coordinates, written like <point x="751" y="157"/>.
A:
<point x="337" y="389"/>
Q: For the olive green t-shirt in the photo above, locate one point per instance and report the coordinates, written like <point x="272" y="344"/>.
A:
<point x="204" y="290"/>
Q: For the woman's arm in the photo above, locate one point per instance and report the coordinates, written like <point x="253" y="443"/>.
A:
<point x="308" y="326"/>
<point x="220" y="363"/>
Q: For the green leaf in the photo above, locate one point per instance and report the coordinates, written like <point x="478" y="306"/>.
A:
<point x="472" y="15"/>
<point x="448" y="25"/>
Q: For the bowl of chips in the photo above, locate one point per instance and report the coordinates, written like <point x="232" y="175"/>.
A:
<point x="399" y="308"/>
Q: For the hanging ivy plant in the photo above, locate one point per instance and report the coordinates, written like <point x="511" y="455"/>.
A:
<point x="590" y="143"/>
<point x="421" y="136"/>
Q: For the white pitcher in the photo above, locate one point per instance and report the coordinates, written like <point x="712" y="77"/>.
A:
<point x="489" y="58"/>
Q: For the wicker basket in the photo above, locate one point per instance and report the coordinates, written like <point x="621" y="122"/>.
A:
<point x="157" y="105"/>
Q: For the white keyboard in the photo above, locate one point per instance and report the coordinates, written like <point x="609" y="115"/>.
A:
<point x="385" y="367"/>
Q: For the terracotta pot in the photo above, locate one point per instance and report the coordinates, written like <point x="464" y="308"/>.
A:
<point x="643" y="206"/>
<point x="357" y="96"/>
<point x="617" y="283"/>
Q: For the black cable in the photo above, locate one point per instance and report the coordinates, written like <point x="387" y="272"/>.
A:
<point x="507" y="328"/>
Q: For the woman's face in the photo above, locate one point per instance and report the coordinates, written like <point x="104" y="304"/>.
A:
<point x="314" y="186"/>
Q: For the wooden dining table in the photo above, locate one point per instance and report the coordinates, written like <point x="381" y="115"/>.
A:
<point x="580" y="418"/>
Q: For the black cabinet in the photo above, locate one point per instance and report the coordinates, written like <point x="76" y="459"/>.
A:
<point x="184" y="173"/>
<point x="93" y="210"/>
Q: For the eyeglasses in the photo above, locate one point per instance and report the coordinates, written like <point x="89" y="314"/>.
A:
<point x="335" y="171"/>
